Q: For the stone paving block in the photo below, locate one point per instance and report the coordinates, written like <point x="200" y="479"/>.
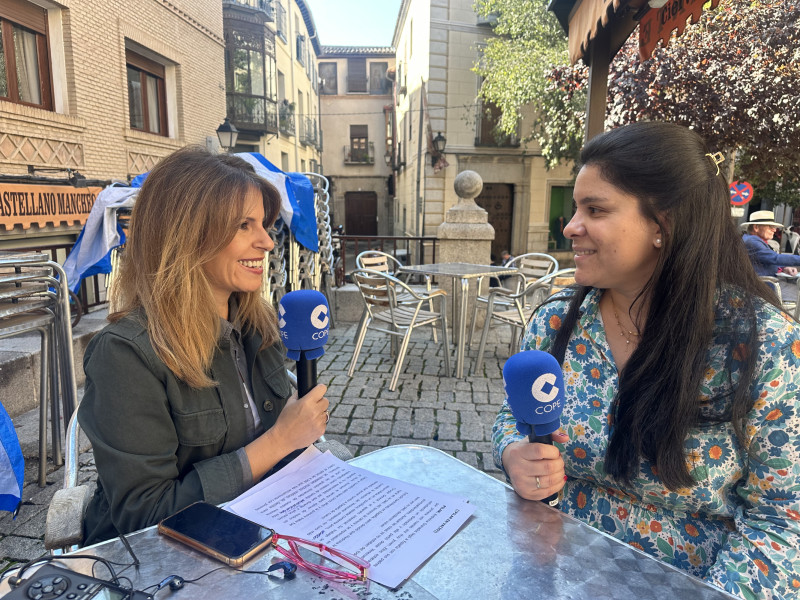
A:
<point x="336" y="425"/>
<point x="364" y="412"/>
<point x="471" y="431"/>
<point x="384" y="413"/>
<point x="382" y="428"/>
<point x="471" y="458"/>
<point x="359" y="426"/>
<point x="423" y="414"/>
<point x="403" y="414"/>
<point x="21" y="549"/>
<point x="479" y="446"/>
<point x="469" y="416"/>
<point x="447" y="384"/>
<point x="424" y="430"/>
<point x="369" y="440"/>
<point x="368" y="449"/>
<point x="342" y="411"/>
<point x="401" y="429"/>
<point x="448" y="431"/>
<point x="447" y="445"/>
<point x="395" y="441"/>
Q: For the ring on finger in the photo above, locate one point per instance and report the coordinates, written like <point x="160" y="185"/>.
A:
<point x="538" y="484"/>
<point x="327" y="416"/>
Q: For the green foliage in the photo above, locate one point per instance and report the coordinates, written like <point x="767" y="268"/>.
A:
<point x="515" y="64"/>
<point x="734" y="77"/>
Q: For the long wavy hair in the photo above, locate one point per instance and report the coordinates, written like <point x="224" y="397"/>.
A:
<point x="187" y="211"/>
<point x="665" y="166"/>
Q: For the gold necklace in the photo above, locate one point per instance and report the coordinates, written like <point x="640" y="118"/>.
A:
<point x="622" y="330"/>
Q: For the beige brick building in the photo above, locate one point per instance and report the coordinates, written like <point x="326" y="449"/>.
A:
<point x="103" y="87"/>
<point x="437" y="43"/>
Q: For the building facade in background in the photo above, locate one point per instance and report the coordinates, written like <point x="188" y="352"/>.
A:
<point x="356" y="100"/>
<point x="271" y="81"/>
<point x="437" y="42"/>
<point x="98" y="90"/>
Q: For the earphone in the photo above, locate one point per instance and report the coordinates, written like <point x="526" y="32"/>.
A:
<point x="175" y="583"/>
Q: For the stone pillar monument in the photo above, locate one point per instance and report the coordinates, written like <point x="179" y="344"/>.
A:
<point x="466" y="236"/>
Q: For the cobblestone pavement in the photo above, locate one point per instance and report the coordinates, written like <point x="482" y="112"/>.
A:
<point x="454" y="415"/>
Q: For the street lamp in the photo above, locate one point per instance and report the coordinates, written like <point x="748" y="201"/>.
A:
<point x="388" y="158"/>
<point x="227" y="134"/>
<point x="439" y="143"/>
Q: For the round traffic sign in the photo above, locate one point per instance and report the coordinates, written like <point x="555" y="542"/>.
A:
<point x="741" y="193"/>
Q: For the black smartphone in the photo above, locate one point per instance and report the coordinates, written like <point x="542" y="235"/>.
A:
<point x="217" y="533"/>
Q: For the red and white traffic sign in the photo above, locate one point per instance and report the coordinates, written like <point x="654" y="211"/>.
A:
<point x="741" y="193"/>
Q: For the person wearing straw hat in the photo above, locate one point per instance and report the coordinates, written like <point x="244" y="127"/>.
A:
<point x="760" y="229"/>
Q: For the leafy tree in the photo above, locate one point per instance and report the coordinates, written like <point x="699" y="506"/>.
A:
<point x="734" y="77"/>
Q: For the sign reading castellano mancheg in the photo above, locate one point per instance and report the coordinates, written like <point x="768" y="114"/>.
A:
<point x="25" y="205"/>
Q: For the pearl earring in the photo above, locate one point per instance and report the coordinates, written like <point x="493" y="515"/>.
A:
<point x="658" y="242"/>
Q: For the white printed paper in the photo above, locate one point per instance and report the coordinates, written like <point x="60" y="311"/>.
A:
<point x="393" y="525"/>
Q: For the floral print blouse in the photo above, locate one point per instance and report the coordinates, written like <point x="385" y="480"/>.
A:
<point x="739" y="526"/>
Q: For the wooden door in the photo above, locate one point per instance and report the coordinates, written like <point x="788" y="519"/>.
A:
<point x="497" y="199"/>
<point x="360" y="213"/>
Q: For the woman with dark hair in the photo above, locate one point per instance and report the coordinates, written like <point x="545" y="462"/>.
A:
<point x="187" y="397"/>
<point x="681" y="426"/>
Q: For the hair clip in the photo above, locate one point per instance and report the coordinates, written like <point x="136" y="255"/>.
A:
<point x="717" y="158"/>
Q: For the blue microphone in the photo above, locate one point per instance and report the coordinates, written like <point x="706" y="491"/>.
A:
<point x="534" y="385"/>
<point x="303" y="320"/>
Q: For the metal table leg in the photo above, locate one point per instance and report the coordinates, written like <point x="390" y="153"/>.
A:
<point x="462" y="326"/>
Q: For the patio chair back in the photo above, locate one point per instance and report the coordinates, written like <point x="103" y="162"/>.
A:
<point x="375" y="260"/>
<point x="384" y="312"/>
<point x="533" y="266"/>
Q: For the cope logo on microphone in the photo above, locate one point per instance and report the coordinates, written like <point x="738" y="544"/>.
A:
<point x="544" y="390"/>
<point x="319" y="319"/>
<point x="548" y="381"/>
<point x="282" y="321"/>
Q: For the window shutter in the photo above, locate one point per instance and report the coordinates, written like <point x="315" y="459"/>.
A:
<point x="26" y="14"/>
<point x="144" y="64"/>
<point x="358" y="131"/>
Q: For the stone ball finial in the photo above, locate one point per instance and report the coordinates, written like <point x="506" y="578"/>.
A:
<point x="468" y="185"/>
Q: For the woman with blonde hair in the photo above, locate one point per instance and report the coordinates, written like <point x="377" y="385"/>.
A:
<point x="187" y="397"/>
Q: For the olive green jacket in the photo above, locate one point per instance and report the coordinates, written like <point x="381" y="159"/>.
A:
<point x="160" y="445"/>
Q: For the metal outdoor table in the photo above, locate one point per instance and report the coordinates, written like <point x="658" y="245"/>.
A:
<point x="464" y="272"/>
<point x="510" y="548"/>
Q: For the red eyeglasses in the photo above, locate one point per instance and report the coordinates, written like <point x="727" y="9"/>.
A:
<point x="355" y="569"/>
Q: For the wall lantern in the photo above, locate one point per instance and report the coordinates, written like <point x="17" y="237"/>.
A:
<point x="227" y="134"/>
<point x="388" y="158"/>
<point x="439" y="143"/>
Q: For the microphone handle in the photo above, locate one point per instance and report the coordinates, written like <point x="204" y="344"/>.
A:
<point x="306" y="374"/>
<point x="544" y="439"/>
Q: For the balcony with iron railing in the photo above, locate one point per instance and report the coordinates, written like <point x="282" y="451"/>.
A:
<point x="360" y="156"/>
<point x="264" y="7"/>
<point x="309" y="135"/>
<point x="286" y="119"/>
<point x="252" y="113"/>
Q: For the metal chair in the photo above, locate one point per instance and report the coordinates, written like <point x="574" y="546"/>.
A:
<point x="793" y="308"/>
<point x="384" y="313"/>
<point x="33" y="299"/>
<point x="376" y="260"/>
<point x="517" y="308"/>
<point x="64" y="525"/>
<point x="532" y="266"/>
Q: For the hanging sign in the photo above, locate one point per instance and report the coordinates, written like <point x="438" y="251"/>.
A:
<point x="658" y="24"/>
<point x="26" y="204"/>
<point x="741" y="193"/>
